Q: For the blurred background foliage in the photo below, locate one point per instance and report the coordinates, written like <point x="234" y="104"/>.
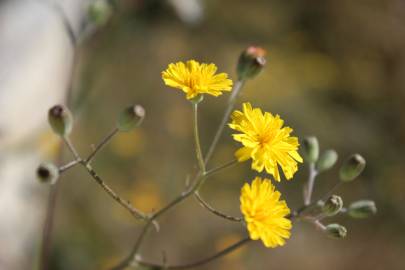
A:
<point x="335" y="70"/>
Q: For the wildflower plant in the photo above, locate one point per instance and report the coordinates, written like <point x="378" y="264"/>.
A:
<point x="265" y="141"/>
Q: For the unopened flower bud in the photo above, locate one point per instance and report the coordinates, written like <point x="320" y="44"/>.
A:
<point x="130" y="118"/>
<point x="100" y="12"/>
<point x="251" y="62"/>
<point x="47" y="173"/>
<point x="310" y="149"/>
<point x="362" y="209"/>
<point x="333" y="205"/>
<point x="326" y="160"/>
<point x="352" y="168"/>
<point x="336" y="231"/>
<point x="60" y="119"/>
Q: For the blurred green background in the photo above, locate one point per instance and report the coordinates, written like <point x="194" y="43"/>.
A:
<point x="335" y="70"/>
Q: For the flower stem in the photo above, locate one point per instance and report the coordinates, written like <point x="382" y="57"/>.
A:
<point x="101" y="145"/>
<point x="309" y="187"/>
<point x="197" y="144"/>
<point x="231" y="103"/>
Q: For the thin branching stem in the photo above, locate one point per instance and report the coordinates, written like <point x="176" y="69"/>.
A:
<point x="221" y="167"/>
<point x="68" y="166"/>
<point x="215" y="211"/>
<point x="72" y="149"/>
<point x="237" y="87"/>
<point x="134" y="212"/>
<point x="201" y="262"/>
<point x="101" y="145"/>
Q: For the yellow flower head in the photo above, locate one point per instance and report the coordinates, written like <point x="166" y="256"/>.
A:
<point x="265" y="141"/>
<point x="264" y="213"/>
<point x="195" y="78"/>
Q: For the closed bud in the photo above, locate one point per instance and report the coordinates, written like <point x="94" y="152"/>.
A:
<point x="47" y="173"/>
<point x="336" y="231"/>
<point x="333" y="205"/>
<point x="326" y="160"/>
<point x="61" y="120"/>
<point x="130" y="118"/>
<point x="362" y="209"/>
<point x="310" y="149"/>
<point x="251" y="62"/>
<point x="352" y="168"/>
<point x="100" y="12"/>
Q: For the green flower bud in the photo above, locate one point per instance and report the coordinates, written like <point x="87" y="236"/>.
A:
<point x="47" y="173"/>
<point x="251" y="62"/>
<point x="333" y="205"/>
<point x="100" y="12"/>
<point x="310" y="149"/>
<point x="336" y="231"/>
<point x="362" y="209"/>
<point x="130" y="118"/>
<point x="326" y="160"/>
<point x="352" y="168"/>
<point x="61" y="120"/>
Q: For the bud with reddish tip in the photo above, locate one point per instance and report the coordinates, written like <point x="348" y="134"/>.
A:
<point x="251" y="62"/>
<point x="61" y="120"/>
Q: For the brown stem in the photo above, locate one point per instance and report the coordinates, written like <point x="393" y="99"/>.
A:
<point x="201" y="262"/>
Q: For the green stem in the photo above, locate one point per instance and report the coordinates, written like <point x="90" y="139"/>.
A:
<point x="197" y="144"/>
<point x="237" y="87"/>
<point x="101" y="145"/>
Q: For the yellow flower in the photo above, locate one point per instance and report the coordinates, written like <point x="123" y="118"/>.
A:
<point x="265" y="141"/>
<point x="264" y="213"/>
<point x="195" y="78"/>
